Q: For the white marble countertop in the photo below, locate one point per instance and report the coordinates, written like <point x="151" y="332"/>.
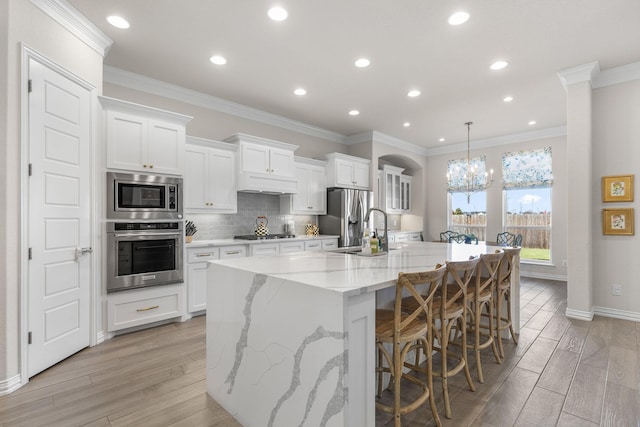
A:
<point x="353" y="274"/>
<point x="230" y="242"/>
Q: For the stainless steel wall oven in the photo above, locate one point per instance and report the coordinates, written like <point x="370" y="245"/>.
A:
<point x="141" y="254"/>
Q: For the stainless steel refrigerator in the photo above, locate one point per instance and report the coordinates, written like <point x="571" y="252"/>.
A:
<point x="346" y="209"/>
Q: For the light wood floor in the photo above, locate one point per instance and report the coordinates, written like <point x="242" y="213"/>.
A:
<point x="563" y="372"/>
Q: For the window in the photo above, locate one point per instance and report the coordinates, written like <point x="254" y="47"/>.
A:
<point x="527" y="181"/>
<point x="469" y="218"/>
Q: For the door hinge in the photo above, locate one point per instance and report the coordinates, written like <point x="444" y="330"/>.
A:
<point x="29" y="87"/>
<point x="30" y="169"/>
<point x="30" y="253"/>
<point x="29" y="338"/>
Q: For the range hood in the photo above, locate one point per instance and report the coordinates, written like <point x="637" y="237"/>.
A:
<point x="252" y="182"/>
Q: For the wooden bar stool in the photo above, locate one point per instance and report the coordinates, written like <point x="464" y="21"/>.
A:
<point x="480" y="295"/>
<point x="503" y="293"/>
<point x="451" y="303"/>
<point x="408" y="331"/>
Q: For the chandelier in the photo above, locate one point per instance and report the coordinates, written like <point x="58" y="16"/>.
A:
<point x="471" y="180"/>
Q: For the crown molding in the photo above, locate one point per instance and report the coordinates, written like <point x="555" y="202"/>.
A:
<point x="76" y="23"/>
<point x="578" y="74"/>
<point x="139" y="82"/>
<point x="552" y="132"/>
<point x="614" y="76"/>
<point x="379" y="137"/>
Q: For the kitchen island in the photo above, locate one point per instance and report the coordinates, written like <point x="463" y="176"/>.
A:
<point x="291" y="338"/>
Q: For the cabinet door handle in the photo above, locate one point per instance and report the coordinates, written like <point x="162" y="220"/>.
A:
<point x="203" y="255"/>
<point x="148" y="308"/>
<point x="233" y="253"/>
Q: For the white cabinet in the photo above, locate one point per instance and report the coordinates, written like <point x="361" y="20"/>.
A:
<point x="394" y="190"/>
<point x="347" y="171"/>
<point x="210" y="177"/>
<point x="329" y="244"/>
<point x="406" y="183"/>
<point x="312" y="189"/>
<point x="197" y="276"/>
<point x="264" y="165"/>
<point x="143" y="306"/>
<point x="263" y="249"/>
<point x="144" y="139"/>
<point x="236" y="251"/>
<point x="415" y="237"/>
<point x="294" y="246"/>
<point x="313" y="245"/>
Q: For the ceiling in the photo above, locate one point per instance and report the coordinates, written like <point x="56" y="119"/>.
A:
<point x="410" y="46"/>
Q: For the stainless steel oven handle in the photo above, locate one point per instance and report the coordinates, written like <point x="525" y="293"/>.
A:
<point x="147" y="234"/>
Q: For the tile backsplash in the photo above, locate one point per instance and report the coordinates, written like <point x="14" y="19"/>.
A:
<point x="250" y="206"/>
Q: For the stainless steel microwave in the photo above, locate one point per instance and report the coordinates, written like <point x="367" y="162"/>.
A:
<point x="137" y="196"/>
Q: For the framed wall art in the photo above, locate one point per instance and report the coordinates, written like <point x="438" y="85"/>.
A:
<point x="617" y="188"/>
<point x="618" y="221"/>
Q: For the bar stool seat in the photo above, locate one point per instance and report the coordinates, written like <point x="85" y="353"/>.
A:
<point x="404" y="331"/>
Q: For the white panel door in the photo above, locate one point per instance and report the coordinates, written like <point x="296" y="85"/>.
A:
<point x="300" y="201"/>
<point x="344" y="173"/>
<point x="59" y="218"/>
<point x="196" y="192"/>
<point x="222" y="180"/>
<point x="281" y="162"/>
<point x="126" y="134"/>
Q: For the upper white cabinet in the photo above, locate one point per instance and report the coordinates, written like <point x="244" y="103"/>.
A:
<point x="210" y="176"/>
<point x="394" y="190"/>
<point x="346" y="171"/>
<point x="264" y="165"/>
<point x="311" y="198"/>
<point x="143" y="139"/>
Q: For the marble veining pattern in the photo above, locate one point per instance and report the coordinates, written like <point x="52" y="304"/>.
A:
<point x="258" y="282"/>
<point x="318" y="334"/>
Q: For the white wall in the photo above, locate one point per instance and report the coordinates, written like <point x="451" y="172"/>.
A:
<point x="21" y="22"/>
<point x="436" y="198"/>
<point x="616" y="151"/>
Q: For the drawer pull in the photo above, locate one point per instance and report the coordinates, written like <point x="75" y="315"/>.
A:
<point x="201" y="255"/>
<point x="233" y="253"/>
<point x="148" y="308"/>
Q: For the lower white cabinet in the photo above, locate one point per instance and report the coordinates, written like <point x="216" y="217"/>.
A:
<point x="329" y="244"/>
<point x="264" y="249"/>
<point x="237" y="251"/>
<point x="415" y="237"/>
<point x="313" y="245"/>
<point x="295" y="246"/>
<point x="142" y="306"/>
<point x="197" y="276"/>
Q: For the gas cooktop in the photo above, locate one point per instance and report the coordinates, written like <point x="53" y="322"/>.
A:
<point x="268" y="237"/>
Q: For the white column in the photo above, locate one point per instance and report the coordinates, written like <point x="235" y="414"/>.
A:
<point x="577" y="81"/>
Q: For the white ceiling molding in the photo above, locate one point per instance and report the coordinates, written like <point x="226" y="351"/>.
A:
<point x="578" y="74"/>
<point x="614" y="76"/>
<point x="76" y="23"/>
<point x="375" y="136"/>
<point x="135" y="81"/>
<point x="552" y="132"/>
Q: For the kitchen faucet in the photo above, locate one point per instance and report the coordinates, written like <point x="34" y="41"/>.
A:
<point x="384" y="245"/>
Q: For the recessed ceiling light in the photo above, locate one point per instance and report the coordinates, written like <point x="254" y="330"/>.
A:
<point x="300" y="91"/>
<point x="508" y="98"/>
<point x="499" y="65"/>
<point x="354" y="112"/>
<point x="118" y="21"/>
<point x="278" y="13"/>
<point x="362" y="62"/>
<point x="442" y="140"/>
<point x="406" y="124"/>
<point x="532" y="122"/>
<point x="413" y="93"/>
<point x="218" y="60"/>
<point x="458" y="18"/>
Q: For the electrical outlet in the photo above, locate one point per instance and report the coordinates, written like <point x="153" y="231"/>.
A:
<point x="616" y="290"/>
<point x="565" y="263"/>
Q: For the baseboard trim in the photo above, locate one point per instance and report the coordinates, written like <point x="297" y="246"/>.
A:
<point x="579" y="314"/>
<point x="618" y="314"/>
<point x="100" y="337"/>
<point x="538" y="275"/>
<point x="10" y="385"/>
